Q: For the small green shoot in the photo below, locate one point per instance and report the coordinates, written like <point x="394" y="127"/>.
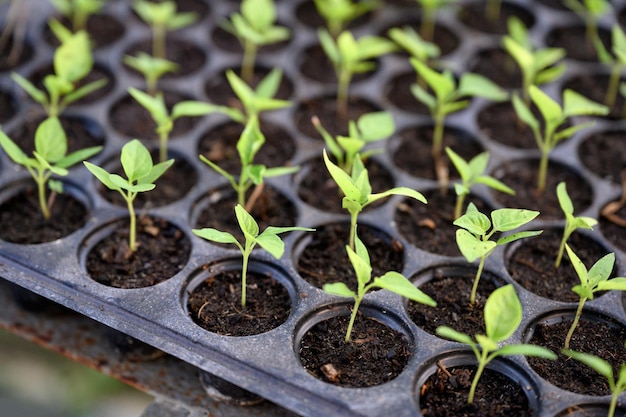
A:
<point x="151" y="68"/>
<point x="591" y="11"/>
<point x="617" y="62"/>
<point x="141" y="174"/>
<point x="162" y="18"/>
<point x="255" y="27"/>
<point x="358" y="191"/>
<point x="475" y="230"/>
<point x="448" y="97"/>
<point x="605" y="369"/>
<point x="571" y="223"/>
<point x="370" y="127"/>
<point x="339" y="13"/>
<point x="351" y="56"/>
<point x="49" y="157"/>
<point x="472" y="173"/>
<point x="554" y="116"/>
<point x="164" y="119"/>
<point x="268" y="240"/>
<point x="249" y="143"/>
<point x="72" y="62"/>
<point x="430" y="9"/>
<point x="503" y="315"/>
<point x="78" y="11"/>
<point x="409" y="40"/>
<point x="392" y="281"/>
<point x="591" y="282"/>
<point x="538" y="66"/>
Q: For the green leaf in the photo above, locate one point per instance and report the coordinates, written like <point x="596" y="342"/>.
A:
<point x="524" y="113"/>
<point x="578" y="265"/>
<point x="260" y="13"/>
<point x="136" y="160"/>
<point x="328" y="45"/>
<point x="462" y="167"/>
<point x="599" y="365"/>
<point x="343" y="180"/>
<point x="486" y="343"/>
<point x="564" y="200"/>
<point x="601" y="270"/>
<point x="195" y="108"/>
<point x="550" y="109"/>
<point x="155" y="172"/>
<point x="576" y="104"/>
<point x="441" y="85"/>
<point x="471" y="247"/>
<point x="340" y="289"/>
<point x="269" y="85"/>
<point x="361" y="266"/>
<point x="73" y="59"/>
<point x="474" y="85"/>
<point x="240" y="88"/>
<point x="517" y="236"/>
<point x="474" y="221"/>
<point x="12" y="150"/>
<point x="403" y="191"/>
<point x="250" y="141"/>
<point x="247" y="224"/>
<point x="397" y="283"/>
<point x="527" y="350"/>
<point x="613" y="284"/>
<point x="507" y="219"/>
<point x="375" y="126"/>
<point x="50" y="140"/>
<point x="451" y="334"/>
<point x="102" y="175"/>
<point x="215" y="235"/>
<point x="78" y="156"/>
<point x="503" y="313"/>
<point x="35" y="93"/>
<point x="83" y="91"/>
<point x="124" y="184"/>
<point x="424" y="97"/>
<point x="271" y="243"/>
<point x="495" y="184"/>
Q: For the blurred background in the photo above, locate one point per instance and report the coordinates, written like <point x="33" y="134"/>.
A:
<point x="35" y="382"/>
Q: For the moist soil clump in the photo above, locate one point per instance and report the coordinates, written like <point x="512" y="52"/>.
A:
<point x="444" y="394"/>
<point x="22" y="221"/>
<point x="216" y="303"/>
<point x="162" y="251"/>
<point x="375" y="354"/>
<point x="599" y="338"/>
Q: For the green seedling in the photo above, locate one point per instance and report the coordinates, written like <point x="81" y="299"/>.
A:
<point x="472" y="173"/>
<point x="391" y="281"/>
<point x="49" y="157"/>
<point x="164" y="119"/>
<point x="448" y="97"/>
<point x="591" y="282"/>
<point x="141" y="175"/>
<point x="72" y="62"/>
<point x="605" y="369"/>
<point x="268" y="240"/>
<point x="591" y="11"/>
<point x="554" y="117"/>
<point x="339" y="13"/>
<point x="255" y="27"/>
<point x="249" y="143"/>
<point x="255" y="101"/>
<point x="476" y="230"/>
<point x="358" y="191"/>
<point x="351" y="56"/>
<point x="151" y="68"/>
<point x="538" y="66"/>
<point x="617" y="62"/>
<point x="430" y="9"/>
<point x="78" y="11"/>
<point x="162" y="18"/>
<point x="503" y="315"/>
<point x="370" y="127"/>
<point x="571" y="222"/>
<point x="409" y="40"/>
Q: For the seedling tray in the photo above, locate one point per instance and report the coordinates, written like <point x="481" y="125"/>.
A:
<point x="267" y="364"/>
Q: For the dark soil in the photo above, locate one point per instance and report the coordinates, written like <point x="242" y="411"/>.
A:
<point x="593" y="336"/>
<point x="218" y="89"/>
<point x="531" y="264"/>
<point x="575" y="43"/>
<point x="398" y="92"/>
<point x="325" y="108"/>
<point x="498" y="66"/>
<point x="614" y="230"/>
<point x="131" y="119"/>
<point x="596" y="410"/>
<point x="162" y="251"/>
<point x="315" y="181"/>
<point x="451" y="288"/>
<point x="499" y="122"/>
<point x="429" y="226"/>
<point x="412" y="152"/>
<point x="189" y="57"/>
<point x="172" y="186"/>
<point x="604" y="153"/>
<point x="8" y="106"/>
<point x="444" y="394"/>
<point x="219" y="145"/>
<point x="104" y="30"/>
<point x="555" y="4"/>
<point x="315" y="65"/>
<point x="594" y="87"/>
<point x="473" y="15"/>
<point x="521" y="176"/>
<point x="271" y="209"/>
<point x="216" y="303"/>
<point x="324" y="258"/>
<point x="376" y="353"/>
<point x="80" y="132"/>
<point x="9" y="61"/>
<point x="22" y="221"/>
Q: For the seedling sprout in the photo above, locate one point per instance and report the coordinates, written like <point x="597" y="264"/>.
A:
<point x="78" y="11"/>
<point x="591" y="11"/>
<point x="617" y="62"/>
<point x="268" y="240"/>
<point x="392" y="281"/>
<point x="475" y="231"/>
<point x="503" y="315"/>
<point x="141" y="174"/>
<point x="430" y="8"/>
<point x="49" y="157"/>
<point x="151" y="68"/>
<point x="339" y="13"/>
<point x="409" y="40"/>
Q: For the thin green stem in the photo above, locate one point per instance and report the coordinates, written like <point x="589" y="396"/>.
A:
<point x="559" y="255"/>
<point x="163" y="138"/>
<point x="543" y="172"/>
<point x="132" y="239"/>
<point x="458" y="208"/>
<point x="611" y="90"/>
<point x="481" y="265"/>
<point x="355" y="310"/>
<point x="493" y="10"/>
<point x="579" y="312"/>
<point x="41" y="190"/>
<point x="343" y="86"/>
<point x="244" y="274"/>
<point x="613" y="404"/>
<point x="479" y="371"/>
<point x="353" y="225"/>
<point x="427" y="28"/>
<point x="158" y="41"/>
<point x="247" y="64"/>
